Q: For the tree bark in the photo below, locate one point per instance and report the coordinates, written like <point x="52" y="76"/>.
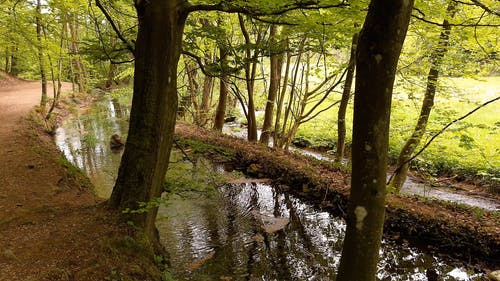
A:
<point x="346" y="94"/>
<point x="276" y="61"/>
<point x="153" y="114"/>
<point x="14" y="67"/>
<point x="204" y="109"/>
<point x="220" y="112"/>
<point x="411" y="144"/>
<point x="7" y="60"/>
<point x="80" y="72"/>
<point x="250" y="71"/>
<point x="41" y="62"/>
<point x="379" y="47"/>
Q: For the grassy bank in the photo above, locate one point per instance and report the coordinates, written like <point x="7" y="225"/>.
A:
<point x="468" y="149"/>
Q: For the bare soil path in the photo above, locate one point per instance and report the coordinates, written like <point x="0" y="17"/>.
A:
<point x="51" y="228"/>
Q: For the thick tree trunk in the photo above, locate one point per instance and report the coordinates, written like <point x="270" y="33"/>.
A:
<point x="276" y="61"/>
<point x="411" y="144"/>
<point x="220" y="112"/>
<point x="41" y="62"/>
<point x="153" y="114"/>
<point x="346" y="94"/>
<point x="379" y="47"/>
<point x="14" y="67"/>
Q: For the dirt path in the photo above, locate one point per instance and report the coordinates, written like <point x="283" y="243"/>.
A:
<point x="50" y="227"/>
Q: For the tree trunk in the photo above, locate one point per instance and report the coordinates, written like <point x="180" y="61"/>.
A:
<point x="250" y="71"/>
<point x="276" y="61"/>
<point x="41" y="63"/>
<point x="204" y="108"/>
<point x="411" y="144"/>
<point x="346" y="94"/>
<point x="379" y="47"/>
<point x="7" y="60"/>
<point x="153" y="114"/>
<point x="281" y="99"/>
<point x="220" y="112"/>
<point x="79" y="67"/>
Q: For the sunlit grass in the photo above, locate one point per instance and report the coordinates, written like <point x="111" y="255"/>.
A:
<point x="471" y="146"/>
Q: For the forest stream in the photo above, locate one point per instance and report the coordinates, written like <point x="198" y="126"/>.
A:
<point x="244" y="230"/>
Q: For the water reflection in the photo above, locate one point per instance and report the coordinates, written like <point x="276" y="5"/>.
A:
<point x="222" y="227"/>
<point x="213" y="231"/>
<point x="84" y="140"/>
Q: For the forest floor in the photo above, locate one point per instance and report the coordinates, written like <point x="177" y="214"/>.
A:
<point x="52" y="227"/>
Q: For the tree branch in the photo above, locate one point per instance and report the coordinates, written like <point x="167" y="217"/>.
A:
<point x="438" y="134"/>
<point x="130" y="47"/>
<point x="228" y="7"/>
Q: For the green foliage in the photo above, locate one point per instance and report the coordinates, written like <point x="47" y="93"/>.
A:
<point x="198" y="176"/>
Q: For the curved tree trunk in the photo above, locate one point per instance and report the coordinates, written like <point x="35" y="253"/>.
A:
<point x="346" y="94"/>
<point x="379" y="47"/>
<point x="411" y="144"/>
<point x="153" y="114"/>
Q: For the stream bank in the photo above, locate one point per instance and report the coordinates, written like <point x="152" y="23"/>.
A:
<point x="52" y="227"/>
<point x="469" y="233"/>
<point x="208" y="234"/>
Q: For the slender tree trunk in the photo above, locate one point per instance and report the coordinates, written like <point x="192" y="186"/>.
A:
<point x="7" y="60"/>
<point x="411" y="144"/>
<point x="57" y="91"/>
<point x="220" y="112"/>
<point x="346" y="94"/>
<point x="204" y="108"/>
<point x="250" y="71"/>
<point x="41" y="62"/>
<point x="283" y="132"/>
<point x="281" y="99"/>
<point x="276" y="62"/>
<point x="379" y="47"/>
<point x="111" y="75"/>
<point x="153" y="114"/>
<point x="79" y="67"/>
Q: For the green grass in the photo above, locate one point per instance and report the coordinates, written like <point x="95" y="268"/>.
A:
<point x="470" y="147"/>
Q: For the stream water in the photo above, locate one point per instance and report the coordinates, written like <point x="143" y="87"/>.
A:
<point x="216" y="231"/>
<point x="410" y="187"/>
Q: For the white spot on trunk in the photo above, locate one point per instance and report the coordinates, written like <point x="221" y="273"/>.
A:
<point x="361" y="214"/>
<point x="374" y="181"/>
<point x="378" y="58"/>
<point x="368" y="147"/>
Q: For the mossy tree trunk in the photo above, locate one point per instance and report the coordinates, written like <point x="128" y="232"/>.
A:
<point x="379" y="47"/>
<point x="153" y="114"/>
<point x="346" y="94"/>
<point x="411" y="144"/>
